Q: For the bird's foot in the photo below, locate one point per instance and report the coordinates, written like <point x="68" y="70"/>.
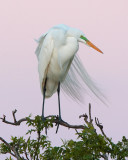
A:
<point x="58" y="123"/>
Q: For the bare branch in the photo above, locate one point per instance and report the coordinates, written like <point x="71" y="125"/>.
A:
<point x="101" y="128"/>
<point x="90" y="119"/>
<point x="88" y="122"/>
<point x="65" y="124"/>
<point x="15" y="123"/>
<point x="14" y="117"/>
<point x="3" y="119"/>
<point x="85" y="117"/>
<point x="62" y="123"/>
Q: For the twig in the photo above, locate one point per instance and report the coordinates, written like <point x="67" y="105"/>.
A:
<point x="90" y="117"/>
<point x="14" y="117"/>
<point x="85" y="117"/>
<point x="88" y="122"/>
<point x="101" y="128"/>
<point x="79" y="134"/>
<point x="17" y="123"/>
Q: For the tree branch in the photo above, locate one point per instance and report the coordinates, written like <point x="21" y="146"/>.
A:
<point x="16" y="123"/>
<point x="101" y="128"/>
<point x="8" y="145"/>
<point x="90" y="117"/>
<point x="14" y="117"/>
<point x="88" y="120"/>
<point x="16" y="155"/>
<point x="56" y="121"/>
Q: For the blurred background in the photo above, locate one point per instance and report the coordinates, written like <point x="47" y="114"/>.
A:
<point x="105" y="23"/>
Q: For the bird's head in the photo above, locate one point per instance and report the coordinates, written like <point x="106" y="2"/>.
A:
<point x="79" y="35"/>
<point x="83" y="39"/>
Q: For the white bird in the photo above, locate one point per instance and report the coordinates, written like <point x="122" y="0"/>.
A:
<point x="58" y="64"/>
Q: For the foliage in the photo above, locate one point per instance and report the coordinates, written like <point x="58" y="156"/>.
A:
<point x="89" y="144"/>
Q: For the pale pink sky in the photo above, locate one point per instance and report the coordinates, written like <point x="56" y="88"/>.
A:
<point x="105" y="23"/>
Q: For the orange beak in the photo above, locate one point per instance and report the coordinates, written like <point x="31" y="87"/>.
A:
<point x="91" y="44"/>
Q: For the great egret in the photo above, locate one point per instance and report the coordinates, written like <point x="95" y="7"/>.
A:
<point x="59" y="64"/>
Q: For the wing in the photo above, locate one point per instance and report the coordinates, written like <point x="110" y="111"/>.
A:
<point x="44" y="52"/>
<point x="40" y="43"/>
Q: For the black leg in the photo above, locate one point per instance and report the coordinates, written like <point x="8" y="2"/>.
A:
<point x="44" y="91"/>
<point x="59" y="118"/>
<point x="58" y="91"/>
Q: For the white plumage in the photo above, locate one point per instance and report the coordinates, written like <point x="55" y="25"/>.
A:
<point x="58" y="62"/>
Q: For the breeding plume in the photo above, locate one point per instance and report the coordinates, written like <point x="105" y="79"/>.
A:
<point x="59" y="64"/>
